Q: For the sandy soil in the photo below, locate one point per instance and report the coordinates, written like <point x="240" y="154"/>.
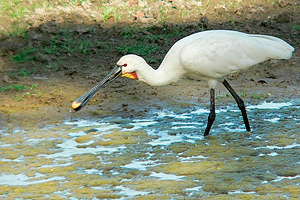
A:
<point x="55" y="79"/>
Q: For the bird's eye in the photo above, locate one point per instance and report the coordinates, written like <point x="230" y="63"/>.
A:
<point x="125" y="65"/>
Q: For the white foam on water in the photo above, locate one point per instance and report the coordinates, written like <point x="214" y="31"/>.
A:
<point x="141" y="165"/>
<point x="138" y="124"/>
<point x="270" y="154"/>
<point x="280" y="178"/>
<point x="272" y="147"/>
<point x="273" y="154"/>
<point x="5" y="145"/>
<point x="129" y="192"/>
<point x="227" y="124"/>
<point x="93" y="171"/>
<point x="35" y="141"/>
<point x="185" y="125"/>
<point x="57" y="165"/>
<point x="259" y="137"/>
<point x="192" y="158"/>
<point x="273" y="120"/>
<point x="65" y="194"/>
<point x="113" y="172"/>
<point x="197" y="188"/>
<point x="77" y="134"/>
<point x="100" y="188"/>
<point x="22" y="179"/>
<point x="166" y="139"/>
<point x="199" y="111"/>
<point x="18" y="160"/>
<point x="100" y="126"/>
<point x="107" y="127"/>
<point x="171" y="114"/>
<point x="238" y="129"/>
<point x="163" y="176"/>
<point x="194" y="190"/>
<point x="270" y="105"/>
<point x="69" y="148"/>
<point x="83" y="123"/>
<point x="240" y="192"/>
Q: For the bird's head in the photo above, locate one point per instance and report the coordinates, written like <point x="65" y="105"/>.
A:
<point x="129" y="65"/>
<point x="126" y="67"/>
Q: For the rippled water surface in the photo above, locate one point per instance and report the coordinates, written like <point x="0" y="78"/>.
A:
<point x="160" y="156"/>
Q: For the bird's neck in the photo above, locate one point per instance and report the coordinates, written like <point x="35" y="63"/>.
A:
<point x="167" y="73"/>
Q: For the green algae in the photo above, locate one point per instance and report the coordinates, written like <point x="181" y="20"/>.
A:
<point x="35" y="190"/>
<point x="90" y="180"/>
<point x="10" y="153"/>
<point x="180" y="147"/>
<point x="86" y="161"/>
<point x="12" y="139"/>
<point x="56" y="170"/>
<point x="192" y="168"/>
<point x="153" y="197"/>
<point x="122" y="138"/>
<point x="161" y="186"/>
<point x="243" y="196"/>
<point x="84" y="138"/>
<point x="225" y="166"/>
<point x="89" y="193"/>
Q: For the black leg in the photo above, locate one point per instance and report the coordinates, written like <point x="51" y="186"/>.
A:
<point x="212" y="114"/>
<point x="240" y="104"/>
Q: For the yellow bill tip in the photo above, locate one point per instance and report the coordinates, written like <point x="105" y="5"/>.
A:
<point x="75" y="105"/>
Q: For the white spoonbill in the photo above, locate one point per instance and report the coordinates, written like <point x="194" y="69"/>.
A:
<point x="208" y="55"/>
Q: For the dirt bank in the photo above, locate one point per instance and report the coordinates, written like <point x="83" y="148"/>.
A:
<point x="62" y="54"/>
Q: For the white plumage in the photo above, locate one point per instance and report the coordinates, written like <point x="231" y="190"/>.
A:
<point x="208" y="55"/>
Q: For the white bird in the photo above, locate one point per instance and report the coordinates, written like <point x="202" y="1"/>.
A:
<point x="208" y="55"/>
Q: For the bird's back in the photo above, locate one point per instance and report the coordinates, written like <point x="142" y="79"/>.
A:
<point x="217" y="53"/>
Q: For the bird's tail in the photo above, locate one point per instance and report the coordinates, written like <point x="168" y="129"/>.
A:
<point x="276" y="47"/>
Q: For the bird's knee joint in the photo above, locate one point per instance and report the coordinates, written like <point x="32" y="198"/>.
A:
<point x="212" y="117"/>
<point x="241" y="104"/>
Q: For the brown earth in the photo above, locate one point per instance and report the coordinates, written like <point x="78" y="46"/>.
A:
<point x="53" y="78"/>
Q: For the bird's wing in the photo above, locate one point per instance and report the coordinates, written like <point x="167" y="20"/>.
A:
<point x="221" y="55"/>
<point x="277" y="48"/>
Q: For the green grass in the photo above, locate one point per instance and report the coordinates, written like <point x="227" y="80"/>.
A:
<point x="17" y="87"/>
<point x="297" y="27"/>
<point x="108" y="12"/>
<point x="15" y="11"/>
<point x="53" y="67"/>
<point x="25" y="55"/>
<point x="259" y="96"/>
<point x="138" y="48"/>
<point x="66" y="44"/>
<point x="57" y="44"/>
<point x="139" y="42"/>
<point x="23" y="72"/>
<point x="243" y="93"/>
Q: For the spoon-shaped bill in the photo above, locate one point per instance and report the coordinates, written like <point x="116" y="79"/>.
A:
<point x="81" y="101"/>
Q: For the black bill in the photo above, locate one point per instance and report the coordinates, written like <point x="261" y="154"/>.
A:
<point x="81" y="101"/>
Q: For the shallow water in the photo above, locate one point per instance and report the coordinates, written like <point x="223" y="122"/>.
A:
<point x="162" y="155"/>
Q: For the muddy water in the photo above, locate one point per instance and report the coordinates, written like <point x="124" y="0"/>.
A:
<point x="160" y="156"/>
